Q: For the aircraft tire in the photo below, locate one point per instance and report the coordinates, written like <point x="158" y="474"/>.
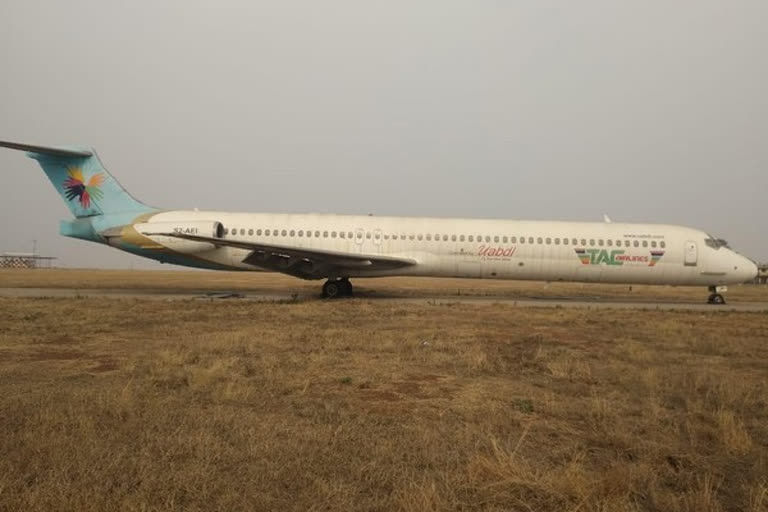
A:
<point x="332" y="289"/>
<point x="716" y="299"/>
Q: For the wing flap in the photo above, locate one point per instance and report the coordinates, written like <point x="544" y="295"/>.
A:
<point x="294" y="260"/>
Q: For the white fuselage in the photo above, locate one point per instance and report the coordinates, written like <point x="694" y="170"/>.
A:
<point x="496" y="249"/>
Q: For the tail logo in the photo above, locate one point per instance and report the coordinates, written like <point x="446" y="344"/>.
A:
<point x="75" y="187"/>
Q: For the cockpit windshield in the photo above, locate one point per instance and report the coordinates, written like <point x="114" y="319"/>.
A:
<point x="715" y="243"/>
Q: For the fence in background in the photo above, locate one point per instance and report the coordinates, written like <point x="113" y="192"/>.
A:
<point x="25" y="260"/>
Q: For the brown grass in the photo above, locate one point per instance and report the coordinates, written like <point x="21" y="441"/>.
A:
<point x="183" y="280"/>
<point x="122" y="404"/>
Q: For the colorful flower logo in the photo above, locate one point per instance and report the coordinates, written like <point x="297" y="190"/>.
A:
<point x="75" y="186"/>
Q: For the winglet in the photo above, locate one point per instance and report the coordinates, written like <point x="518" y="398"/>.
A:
<point x="45" y="150"/>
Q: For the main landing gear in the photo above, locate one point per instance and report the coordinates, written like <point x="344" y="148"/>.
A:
<point x="335" y="288"/>
<point x="715" y="297"/>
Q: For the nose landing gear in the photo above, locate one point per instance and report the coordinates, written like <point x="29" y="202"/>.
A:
<point x="335" y="288"/>
<point x="715" y="297"/>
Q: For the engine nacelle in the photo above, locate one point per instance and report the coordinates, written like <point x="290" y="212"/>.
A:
<point x="156" y="231"/>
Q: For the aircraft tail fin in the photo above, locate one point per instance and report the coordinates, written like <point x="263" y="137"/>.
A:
<point x="79" y="177"/>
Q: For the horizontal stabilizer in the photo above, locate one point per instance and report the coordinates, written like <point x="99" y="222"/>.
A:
<point x="44" y="150"/>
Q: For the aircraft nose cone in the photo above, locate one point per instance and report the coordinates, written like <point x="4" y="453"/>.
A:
<point x="754" y="271"/>
<point x="748" y="269"/>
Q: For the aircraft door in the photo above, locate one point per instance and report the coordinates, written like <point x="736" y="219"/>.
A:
<point x="691" y="254"/>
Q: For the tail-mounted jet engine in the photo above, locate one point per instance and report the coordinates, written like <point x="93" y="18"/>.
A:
<point x="155" y="231"/>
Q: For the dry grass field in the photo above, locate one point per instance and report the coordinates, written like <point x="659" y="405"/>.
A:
<point x="123" y="404"/>
<point x="181" y="280"/>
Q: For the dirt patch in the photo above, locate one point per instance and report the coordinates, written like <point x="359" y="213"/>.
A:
<point x="50" y="354"/>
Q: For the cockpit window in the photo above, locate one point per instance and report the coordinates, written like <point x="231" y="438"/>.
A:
<point x="715" y="243"/>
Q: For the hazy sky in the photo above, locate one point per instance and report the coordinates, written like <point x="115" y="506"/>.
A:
<point x="650" y="111"/>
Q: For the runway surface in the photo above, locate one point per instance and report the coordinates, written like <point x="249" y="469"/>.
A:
<point x="271" y="296"/>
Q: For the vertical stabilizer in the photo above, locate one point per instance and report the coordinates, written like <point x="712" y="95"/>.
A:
<point x="82" y="181"/>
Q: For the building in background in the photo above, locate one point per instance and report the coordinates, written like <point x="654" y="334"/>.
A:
<point x="762" y="275"/>
<point x="25" y="260"/>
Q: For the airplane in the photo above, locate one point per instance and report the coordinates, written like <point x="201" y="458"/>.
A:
<point x="339" y="247"/>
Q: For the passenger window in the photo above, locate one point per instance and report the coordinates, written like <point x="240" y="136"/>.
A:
<point x="504" y="240"/>
<point x="368" y="235"/>
<point x="653" y="244"/>
<point x="471" y="238"/>
<point x="575" y="242"/>
<point x="325" y="234"/>
<point x="539" y="241"/>
<point x="445" y="238"/>
<point x="513" y="239"/>
<point x="496" y="239"/>
<point x="342" y="234"/>
<point x="557" y="241"/>
<point x="301" y="232"/>
<point x="226" y="231"/>
<point x="461" y="238"/>
<point x="349" y="234"/>
<point x="453" y="238"/>
<point x="386" y="236"/>
<point x="317" y="234"/>
<point x="600" y="242"/>
<point x="565" y="241"/>
<point x="250" y="232"/>
<point x="242" y="231"/>
<point x="429" y="237"/>
<point x="420" y="237"/>
<point x="549" y="241"/>
<point x="636" y="243"/>
<point x="609" y="243"/>
<point x="584" y="242"/>
<point x="293" y="233"/>
<point x="645" y="243"/>
<point x="662" y="244"/>
<point x="377" y="235"/>
<point x="411" y="236"/>
<point x="333" y="234"/>
<point x="487" y="238"/>
<point x="309" y="234"/>
<point x="626" y="243"/>
<point x="530" y="239"/>
<point x="522" y="239"/>
<point x="591" y="242"/>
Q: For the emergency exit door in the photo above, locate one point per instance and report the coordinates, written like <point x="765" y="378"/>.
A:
<point x="691" y="255"/>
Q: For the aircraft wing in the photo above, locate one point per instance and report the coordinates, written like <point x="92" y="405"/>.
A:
<point x="302" y="262"/>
